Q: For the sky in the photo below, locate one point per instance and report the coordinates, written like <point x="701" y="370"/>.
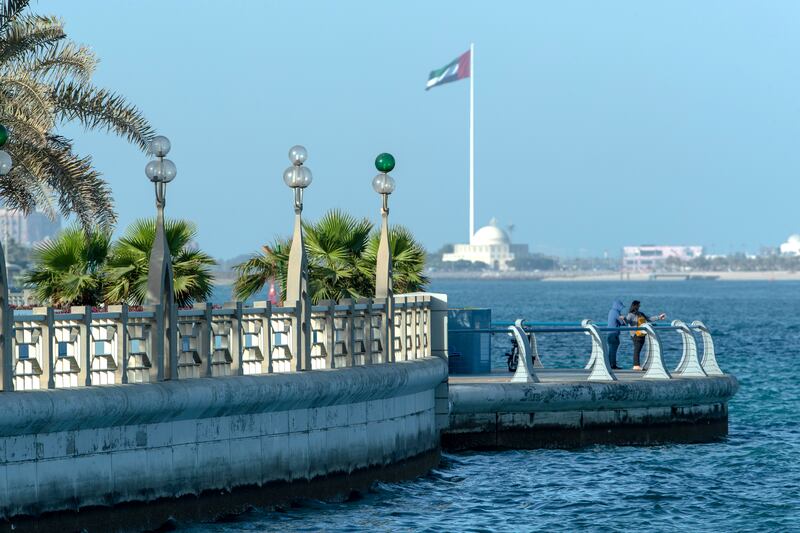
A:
<point x="597" y="124"/>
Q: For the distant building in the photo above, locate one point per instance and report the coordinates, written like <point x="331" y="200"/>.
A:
<point x="26" y="230"/>
<point x="490" y="245"/>
<point x="791" y="246"/>
<point x="647" y="258"/>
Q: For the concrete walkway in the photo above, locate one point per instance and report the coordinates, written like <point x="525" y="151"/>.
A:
<point x="545" y="375"/>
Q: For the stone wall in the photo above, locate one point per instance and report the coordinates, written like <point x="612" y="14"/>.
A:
<point x="100" y="446"/>
<point x="573" y="414"/>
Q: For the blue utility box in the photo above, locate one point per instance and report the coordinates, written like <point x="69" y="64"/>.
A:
<point x="469" y="351"/>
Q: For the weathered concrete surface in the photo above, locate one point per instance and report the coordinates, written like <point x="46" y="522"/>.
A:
<point x="163" y="514"/>
<point x="499" y="414"/>
<point x="64" y="450"/>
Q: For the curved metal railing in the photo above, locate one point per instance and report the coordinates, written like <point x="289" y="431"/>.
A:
<point x="598" y="365"/>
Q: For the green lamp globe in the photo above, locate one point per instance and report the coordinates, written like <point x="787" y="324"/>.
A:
<point x="3" y="135"/>
<point x="384" y="162"/>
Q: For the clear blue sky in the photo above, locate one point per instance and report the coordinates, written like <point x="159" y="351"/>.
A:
<point x="598" y="124"/>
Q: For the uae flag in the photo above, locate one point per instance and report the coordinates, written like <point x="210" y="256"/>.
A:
<point x="458" y="69"/>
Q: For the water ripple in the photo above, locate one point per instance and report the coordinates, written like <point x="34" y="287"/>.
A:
<point x="749" y="481"/>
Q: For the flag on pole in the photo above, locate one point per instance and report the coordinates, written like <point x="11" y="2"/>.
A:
<point x="458" y="69"/>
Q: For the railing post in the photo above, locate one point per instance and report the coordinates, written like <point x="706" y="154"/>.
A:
<point x="301" y="329"/>
<point x="47" y="378"/>
<point x="237" y="353"/>
<point x="426" y="324"/>
<point x="438" y="326"/>
<point x="599" y="365"/>
<point x="85" y="349"/>
<point x="389" y="338"/>
<point x="689" y="364"/>
<point x="350" y="332"/>
<point x="157" y="337"/>
<point x="709" y="361"/>
<point x="368" y="337"/>
<point x="383" y="330"/>
<point x="206" y="341"/>
<point x="121" y="340"/>
<point x="654" y="366"/>
<point x="266" y="335"/>
<point x="330" y="334"/>
<point x="524" y="373"/>
<point x="171" y="328"/>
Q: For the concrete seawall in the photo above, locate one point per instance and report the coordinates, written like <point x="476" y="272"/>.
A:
<point x="67" y="449"/>
<point x="569" y="414"/>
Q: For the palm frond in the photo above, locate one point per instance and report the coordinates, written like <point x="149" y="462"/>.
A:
<point x="10" y="10"/>
<point x="30" y="96"/>
<point x="100" y="109"/>
<point x="28" y="34"/>
<point x="80" y="188"/>
<point x="61" y="62"/>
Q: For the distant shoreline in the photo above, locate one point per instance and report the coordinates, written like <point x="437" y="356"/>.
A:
<point x="610" y="276"/>
<point x="587" y="276"/>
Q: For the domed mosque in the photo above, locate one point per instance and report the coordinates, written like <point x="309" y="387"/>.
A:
<point x="490" y="245"/>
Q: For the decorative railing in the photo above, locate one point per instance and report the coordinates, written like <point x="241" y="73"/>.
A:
<point x="55" y="349"/>
<point x="598" y="366"/>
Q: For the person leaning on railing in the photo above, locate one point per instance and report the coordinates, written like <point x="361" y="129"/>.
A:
<point x="637" y="318"/>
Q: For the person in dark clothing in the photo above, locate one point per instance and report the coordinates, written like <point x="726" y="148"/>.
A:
<point x="636" y="318"/>
<point x="615" y="320"/>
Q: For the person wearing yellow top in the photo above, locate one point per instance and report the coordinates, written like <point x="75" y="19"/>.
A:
<point x="637" y="318"/>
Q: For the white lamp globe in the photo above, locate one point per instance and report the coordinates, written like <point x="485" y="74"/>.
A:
<point x="5" y="163"/>
<point x="383" y="184"/>
<point x="297" y="177"/>
<point x="161" y="170"/>
<point x="298" y="154"/>
<point x="160" y="146"/>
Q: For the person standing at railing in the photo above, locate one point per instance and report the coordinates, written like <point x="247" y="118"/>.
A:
<point x="636" y="318"/>
<point x="616" y="319"/>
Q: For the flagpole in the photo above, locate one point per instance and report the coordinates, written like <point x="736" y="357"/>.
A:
<point x="471" y="141"/>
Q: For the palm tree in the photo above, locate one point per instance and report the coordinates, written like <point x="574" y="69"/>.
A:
<point x="69" y="269"/>
<point x="45" y="80"/>
<point x="408" y="260"/>
<point x="129" y="263"/>
<point x="260" y="269"/>
<point x="334" y="245"/>
<point x="342" y="252"/>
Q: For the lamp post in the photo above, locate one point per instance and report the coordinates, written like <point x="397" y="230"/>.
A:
<point x="383" y="184"/>
<point x="298" y="177"/>
<point x="161" y="171"/>
<point x="6" y="314"/>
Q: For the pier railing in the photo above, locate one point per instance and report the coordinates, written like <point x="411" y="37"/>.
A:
<point x="48" y="348"/>
<point x="598" y="365"/>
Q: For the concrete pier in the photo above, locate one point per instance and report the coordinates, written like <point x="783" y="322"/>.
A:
<point x="563" y="410"/>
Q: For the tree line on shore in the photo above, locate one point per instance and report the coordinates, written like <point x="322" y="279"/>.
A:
<point x="80" y="267"/>
<point x="737" y="262"/>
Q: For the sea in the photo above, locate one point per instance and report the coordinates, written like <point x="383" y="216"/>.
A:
<point x="749" y="481"/>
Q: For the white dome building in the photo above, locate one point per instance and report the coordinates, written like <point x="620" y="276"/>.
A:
<point x="791" y="246"/>
<point x="490" y="245"/>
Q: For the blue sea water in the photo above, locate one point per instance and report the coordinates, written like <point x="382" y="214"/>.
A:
<point x="749" y="481"/>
